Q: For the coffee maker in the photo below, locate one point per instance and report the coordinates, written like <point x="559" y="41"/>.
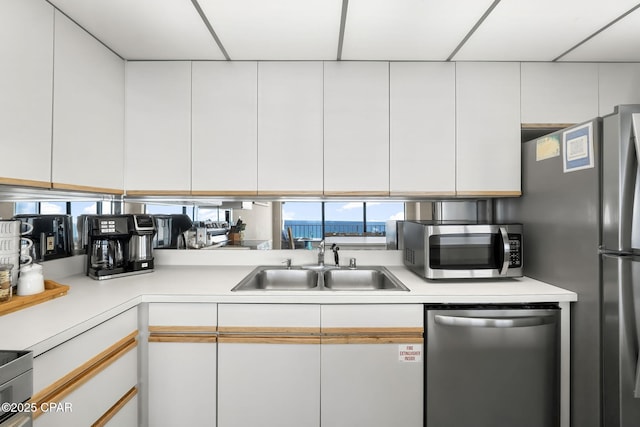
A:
<point x="119" y="245"/>
<point x="51" y="236"/>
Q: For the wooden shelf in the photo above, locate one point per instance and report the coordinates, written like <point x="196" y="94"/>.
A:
<point x="51" y="290"/>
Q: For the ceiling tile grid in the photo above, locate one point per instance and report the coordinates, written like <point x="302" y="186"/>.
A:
<point x="393" y="30"/>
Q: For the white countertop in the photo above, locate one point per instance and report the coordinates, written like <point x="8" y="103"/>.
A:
<point x="91" y="302"/>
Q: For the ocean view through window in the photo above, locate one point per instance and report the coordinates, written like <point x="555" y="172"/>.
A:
<point x="317" y="220"/>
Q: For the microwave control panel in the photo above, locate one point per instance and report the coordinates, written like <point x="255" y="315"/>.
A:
<point x="515" y="256"/>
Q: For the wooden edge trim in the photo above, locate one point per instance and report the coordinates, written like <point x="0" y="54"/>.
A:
<point x="422" y="193"/>
<point x="74" y="379"/>
<point x="157" y="193"/>
<point x="182" y="329"/>
<point x="224" y="193"/>
<point x="488" y="193"/>
<point x="286" y="330"/>
<point x="379" y="339"/>
<point x="526" y="126"/>
<point x="87" y="189"/>
<point x="111" y="412"/>
<point x="373" y="331"/>
<point x="293" y="193"/>
<point x="25" y="182"/>
<point x="357" y="193"/>
<point x="268" y="339"/>
<point x="194" y="338"/>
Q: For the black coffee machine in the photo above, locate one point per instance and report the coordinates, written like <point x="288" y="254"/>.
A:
<point x="52" y="236"/>
<point x="119" y="245"/>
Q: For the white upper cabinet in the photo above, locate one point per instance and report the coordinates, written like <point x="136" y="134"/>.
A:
<point x="422" y="129"/>
<point x="290" y="128"/>
<point x="618" y="84"/>
<point x="559" y="93"/>
<point x="88" y="111"/>
<point x="356" y="128"/>
<point x="26" y="79"/>
<point x="158" y="128"/>
<point x="224" y="128"/>
<point x="488" y="129"/>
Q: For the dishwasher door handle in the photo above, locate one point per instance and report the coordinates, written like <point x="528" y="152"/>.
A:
<point x="494" y="322"/>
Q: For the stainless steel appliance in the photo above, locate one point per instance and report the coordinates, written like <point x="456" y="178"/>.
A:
<point x="491" y="366"/>
<point x="119" y="245"/>
<point x="579" y="206"/>
<point x="461" y="250"/>
<point x="52" y="236"/>
<point x="394" y="235"/>
<point x="16" y="388"/>
<point x="169" y="231"/>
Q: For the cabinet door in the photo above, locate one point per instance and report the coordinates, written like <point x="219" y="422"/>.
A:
<point x="356" y="128"/>
<point x="88" y="112"/>
<point x="268" y="365"/>
<point x="618" y="84"/>
<point x="369" y="352"/>
<point x="290" y="119"/>
<point x="559" y="93"/>
<point x="422" y="129"/>
<point x="127" y="415"/>
<point x="224" y="157"/>
<point x="158" y="128"/>
<point x="26" y="75"/>
<point x="182" y="382"/>
<point x="487" y="129"/>
<point x="182" y="358"/>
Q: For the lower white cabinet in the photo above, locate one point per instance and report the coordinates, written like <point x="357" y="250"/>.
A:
<point x="181" y="364"/>
<point x="371" y="364"/>
<point x="280" y="365"/>
<point x="269" y="365"/>
<point x="87" y="380"/>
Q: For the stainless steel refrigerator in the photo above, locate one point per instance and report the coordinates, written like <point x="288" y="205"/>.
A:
<point x="581" y="213"/>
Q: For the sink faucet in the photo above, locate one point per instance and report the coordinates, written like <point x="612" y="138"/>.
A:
<point x="321" y="253"/>
<point x="335" y="250"/>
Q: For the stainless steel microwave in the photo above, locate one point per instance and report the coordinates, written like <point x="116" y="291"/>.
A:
<point x="463" y="250"/>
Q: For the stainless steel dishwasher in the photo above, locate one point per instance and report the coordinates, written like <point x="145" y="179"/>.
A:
<point x="492" y="366"/>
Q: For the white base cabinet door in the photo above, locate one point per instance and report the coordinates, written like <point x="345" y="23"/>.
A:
<point x="368" y="385"/>
<point x="181" y="364"/>
<point x="372" y="366"/>
<point x="268" y="365"/>
<point x="182" y="383"/>
<point x="269" y="384"/>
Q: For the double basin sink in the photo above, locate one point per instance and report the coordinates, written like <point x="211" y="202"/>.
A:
<point x="320" y="278"/>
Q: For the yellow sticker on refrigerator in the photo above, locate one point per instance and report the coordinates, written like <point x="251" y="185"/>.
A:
<point x="547" y="147"/>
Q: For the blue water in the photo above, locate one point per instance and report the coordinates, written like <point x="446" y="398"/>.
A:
<point x="313" y="229"/>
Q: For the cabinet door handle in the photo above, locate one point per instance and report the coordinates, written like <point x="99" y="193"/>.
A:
<point x="494" y="322"/>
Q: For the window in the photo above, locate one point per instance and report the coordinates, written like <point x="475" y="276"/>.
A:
<point x="26" y="208"/>
<point x="316" y="220"/>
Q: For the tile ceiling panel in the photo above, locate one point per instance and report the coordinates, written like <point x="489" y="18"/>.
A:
<point x="620" y="42"/>
<point x="145" y="29"/>
<point x="276" y="29"/>
<point x="539" y="30"/>
<point x="408" y="29"/>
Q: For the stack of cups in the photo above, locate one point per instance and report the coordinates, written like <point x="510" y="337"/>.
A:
<point x="13" y="246"/>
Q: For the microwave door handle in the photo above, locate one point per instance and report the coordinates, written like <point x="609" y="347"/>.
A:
<point x="506" y="247"/>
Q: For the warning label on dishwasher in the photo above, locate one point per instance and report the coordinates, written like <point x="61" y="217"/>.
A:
<point x="410" y="352"/>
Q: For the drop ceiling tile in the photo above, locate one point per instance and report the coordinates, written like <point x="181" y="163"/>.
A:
<point x="620" y="42"/>
<point x="145" y="29"/>
<point x="408" y="29"/>
<point x="276" y="29"/>
<point x="539" y="30"/>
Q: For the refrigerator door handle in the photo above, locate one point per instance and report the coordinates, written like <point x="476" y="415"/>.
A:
<point x="493" y="322"/>
<point x="506" y="247"/>
<point x="636" y="389"/>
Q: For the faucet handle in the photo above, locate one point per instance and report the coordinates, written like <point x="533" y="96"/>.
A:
<point x="352" y="263"/>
